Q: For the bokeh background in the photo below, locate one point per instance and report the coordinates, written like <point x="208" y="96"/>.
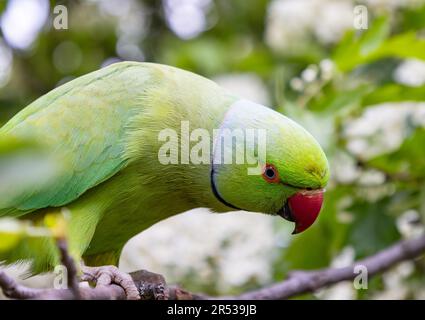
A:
<point x="360" y="92"/>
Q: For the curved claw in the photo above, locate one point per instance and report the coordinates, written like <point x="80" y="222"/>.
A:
<point x="106" y="275"/>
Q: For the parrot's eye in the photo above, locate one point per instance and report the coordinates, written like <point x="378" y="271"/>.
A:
<point x="270" y="174"/>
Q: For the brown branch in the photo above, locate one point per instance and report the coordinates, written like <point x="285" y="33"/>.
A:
<point x="298" y="282"/>
<point x="71" y="268"/>
<point x="12" y="289"/>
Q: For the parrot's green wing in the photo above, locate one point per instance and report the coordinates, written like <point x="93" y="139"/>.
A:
<point x="84" y="123"/>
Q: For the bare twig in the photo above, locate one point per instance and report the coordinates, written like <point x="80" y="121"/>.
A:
<point x="71" y="268"/>
<point x="309" y="281"/>
<point x="297" y="283"/>
<point x="14" y="290"/>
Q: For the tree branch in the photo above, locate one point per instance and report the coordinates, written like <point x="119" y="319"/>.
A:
<point x="298" y="282"/>
<point x="69" y="263"/>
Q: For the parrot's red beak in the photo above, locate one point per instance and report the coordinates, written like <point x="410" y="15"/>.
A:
<point x="303" y="209"/>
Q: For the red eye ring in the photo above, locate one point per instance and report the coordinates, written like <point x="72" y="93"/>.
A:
<point x="270" y="174"/>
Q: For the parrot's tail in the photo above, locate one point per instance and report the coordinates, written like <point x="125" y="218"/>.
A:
<point x="40" y="253"/>
<point x="26" y="241"/>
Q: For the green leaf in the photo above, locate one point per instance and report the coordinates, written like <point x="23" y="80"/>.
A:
<point x="373" y="228"/>
<point x="8" y="241"/>
<point x="337" y="100"/>
<point x="13" y="232"/>
<point x="394" y="92"/>
<point x="309" y="250"/>
<point x="407" y="45"/>
<point x="375" y="37"/>
<point x="374" y="45"/>
<point x="3" y="4"/>
<point x="21" y="239"/>
<point x="353" y="51"/>
<point x="413" y="18"/>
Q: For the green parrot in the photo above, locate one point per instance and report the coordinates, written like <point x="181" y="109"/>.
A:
<point x="124" y="170"/>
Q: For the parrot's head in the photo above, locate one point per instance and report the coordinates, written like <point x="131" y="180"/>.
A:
<point x="284" y="171"/>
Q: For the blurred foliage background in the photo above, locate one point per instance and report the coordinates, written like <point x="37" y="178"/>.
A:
<point x="361" y="92"/>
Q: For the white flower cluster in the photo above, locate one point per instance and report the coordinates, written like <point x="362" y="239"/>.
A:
<point x="290" y="23"/>
<point x="22" y="20"/>
<point x="390" y="5"/>
<point x="226" y="249"/>
<point x="313" y="75"/>
<point x="382" y="128"/>
<point x="187" y="18"/>
<point x="6" y="63"/>
<point x="246" y="85"/>
<point x="410" y="72"/>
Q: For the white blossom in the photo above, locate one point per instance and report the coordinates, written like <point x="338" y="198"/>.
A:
<point x="410" y="72"/>
<point x="291" y="23"/>
<point x="240" y="245"/>
<point x="245" y="85"/>
<point x="382" y="128"/>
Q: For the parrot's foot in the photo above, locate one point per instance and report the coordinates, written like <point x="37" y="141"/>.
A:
<point x="151" y="285"/>
<point x="106" y="275"/>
